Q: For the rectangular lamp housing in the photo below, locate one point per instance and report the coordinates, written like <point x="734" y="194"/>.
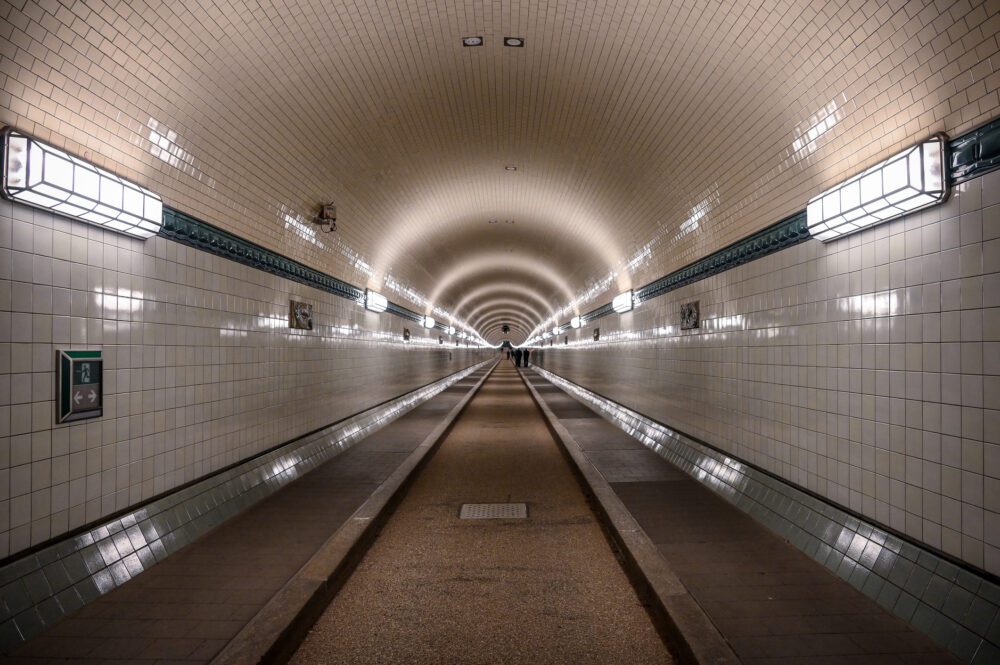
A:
<point x="375" y="302"/>
<point x="42" y="176"/>
<point x="622" y="302"/>
<point x="912" y="180"/>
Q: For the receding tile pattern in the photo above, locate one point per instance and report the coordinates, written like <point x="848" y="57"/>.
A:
<point x="953" y="605"/>
<point x="39" y="589"/>
<point x="865" y="370"/>
<point x="201" y="370"/>
<point x="649" y="131"/>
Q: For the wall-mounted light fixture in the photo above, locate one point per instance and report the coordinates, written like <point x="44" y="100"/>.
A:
<point x="555" y="331"/>
<point x="622" y="302"/>
<point x="451" y="330"/>
<point x="375" y="302"/>
<point x="906" y="182"/>
<point x="428" y="322"/>
<point x="42" y="176"/>
<point x="327" y="217"/>
<point x="575" y="322"/>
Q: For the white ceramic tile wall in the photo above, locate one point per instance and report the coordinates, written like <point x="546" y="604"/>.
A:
<point x="201" y="370"/>
<point x="866" y="370"/>
<point x="671" y="127"/>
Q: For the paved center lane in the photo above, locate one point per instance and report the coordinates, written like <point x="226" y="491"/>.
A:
<point x="434" y="588"/>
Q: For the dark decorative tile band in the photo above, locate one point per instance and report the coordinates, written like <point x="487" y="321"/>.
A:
<point x="187" y="230"/>
<point x="408" y="314"/>
<point x="955" y="606"/>
<point x="789" y="231"/>
<point x="975" y="153"/>
<point x="603" y="310"/>
<point x="193" y="232"/>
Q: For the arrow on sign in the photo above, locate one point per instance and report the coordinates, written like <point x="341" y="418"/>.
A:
<point x="77" y="396"/>
<point x="92" y="396"/>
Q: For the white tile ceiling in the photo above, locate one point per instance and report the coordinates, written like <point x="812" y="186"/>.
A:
<point x="645" y="134"/>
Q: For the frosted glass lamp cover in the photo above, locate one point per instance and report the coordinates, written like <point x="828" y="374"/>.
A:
<point x="43" y="176"/>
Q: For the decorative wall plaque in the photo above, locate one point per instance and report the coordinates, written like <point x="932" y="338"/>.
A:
<point x="690" y="315"/>
<point x="300" y="315"/>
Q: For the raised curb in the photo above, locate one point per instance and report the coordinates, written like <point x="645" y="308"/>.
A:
<point x="691" y="635"/>
<point x="274" y="633"/>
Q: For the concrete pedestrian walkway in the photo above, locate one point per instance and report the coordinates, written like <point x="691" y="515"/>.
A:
<point x="435" y="588"/>
<point x="772" y="604"/>
<point x="193" y="604"/>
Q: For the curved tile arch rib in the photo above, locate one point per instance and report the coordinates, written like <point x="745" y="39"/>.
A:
<point x="496" y="336"/>
<point x="498" y="327"/>
<point x="473" y="297"/>
<point x="514" y="325"/>
<point x="545" y="210"/>
<point x="505" y="317"/>
<point x="507" y="304"/>
<point x="500" y="262"/>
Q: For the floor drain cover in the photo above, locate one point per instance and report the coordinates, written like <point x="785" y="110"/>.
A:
<point x="493" y="511"/>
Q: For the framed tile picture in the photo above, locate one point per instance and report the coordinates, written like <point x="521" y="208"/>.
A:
<point x="300" y="315"/>
<point x="690" y="315"/>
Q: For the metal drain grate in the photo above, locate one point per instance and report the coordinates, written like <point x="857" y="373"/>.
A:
<point x="493" y="511"/>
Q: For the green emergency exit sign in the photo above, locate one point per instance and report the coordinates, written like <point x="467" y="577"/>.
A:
<point x="80" y="385"/>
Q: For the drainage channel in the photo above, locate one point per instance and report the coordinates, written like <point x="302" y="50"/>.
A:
<point x="461" y="572"/>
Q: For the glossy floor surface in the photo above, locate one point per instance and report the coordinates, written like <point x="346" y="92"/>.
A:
<point x="437" y="589"/>
<point x="188" y="607"/>
<point x="772" y="603"/>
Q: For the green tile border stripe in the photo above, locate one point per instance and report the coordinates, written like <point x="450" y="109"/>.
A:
<point x="193" y="232"/>
<point x="42" y="587"/>
<point x="786" y="233"/>
<point x="955" y="606"/>
<point x="975" y="153"/>
<point x="407" y="314"/>
<point x="969" y="156"/>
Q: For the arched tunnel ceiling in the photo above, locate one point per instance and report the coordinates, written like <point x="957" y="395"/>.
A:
<point x="644" y="134"/>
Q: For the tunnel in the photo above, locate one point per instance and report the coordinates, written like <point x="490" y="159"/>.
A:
<point x="509" y="331"/>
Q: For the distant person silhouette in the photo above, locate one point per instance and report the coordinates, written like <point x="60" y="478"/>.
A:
<point x="526" y="354"/>
<point x="517" y="357"/>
